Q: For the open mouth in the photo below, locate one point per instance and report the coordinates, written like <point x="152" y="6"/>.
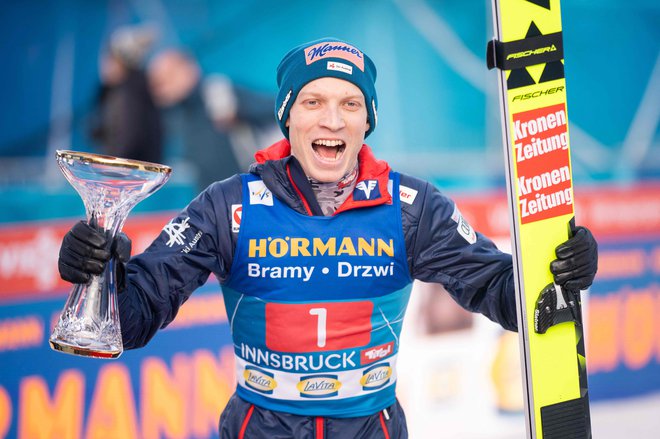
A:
<point x="329" y="149"/>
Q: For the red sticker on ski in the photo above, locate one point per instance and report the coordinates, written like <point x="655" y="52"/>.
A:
<point x="543" y="182"/>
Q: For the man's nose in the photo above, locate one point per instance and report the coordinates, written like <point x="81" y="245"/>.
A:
<point x="333" y="118"/>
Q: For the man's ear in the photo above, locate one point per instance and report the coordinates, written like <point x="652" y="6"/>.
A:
<point x="286" y="124"/>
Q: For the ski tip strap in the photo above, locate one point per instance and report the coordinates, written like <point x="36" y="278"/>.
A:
<point x="526" y="52"/>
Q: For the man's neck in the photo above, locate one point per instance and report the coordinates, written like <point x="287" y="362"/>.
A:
<point x="332" y="195"/>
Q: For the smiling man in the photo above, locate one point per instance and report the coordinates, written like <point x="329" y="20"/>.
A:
<point x="316" y="271"/>
<point x="327" y="124"/>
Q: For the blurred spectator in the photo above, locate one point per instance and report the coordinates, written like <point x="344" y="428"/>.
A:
<point x="127" y="122"/>
<point x="217" y="122"/>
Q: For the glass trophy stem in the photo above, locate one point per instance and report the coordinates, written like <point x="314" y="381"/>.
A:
<point x="89" y="326"/>
<point x="110" y="187"/>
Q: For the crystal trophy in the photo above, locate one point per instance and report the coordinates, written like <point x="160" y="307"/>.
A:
<point x="110" y="187"/>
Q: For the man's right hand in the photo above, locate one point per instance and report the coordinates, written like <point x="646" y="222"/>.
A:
<point x="85" y="251"/>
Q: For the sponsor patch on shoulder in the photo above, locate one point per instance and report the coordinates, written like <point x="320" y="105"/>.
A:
<point x="236" y="216"/>
<point x="463" y="227"/>
<point x="366" y="190"/>
<point x="407" y="194"/>
<point x="175" y="232"/>
<point x="390" y="187"/>
<point x="259" y="193"/>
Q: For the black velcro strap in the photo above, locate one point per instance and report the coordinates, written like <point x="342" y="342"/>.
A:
<point x="567" y="419"/>
<point x="526" y="52"/>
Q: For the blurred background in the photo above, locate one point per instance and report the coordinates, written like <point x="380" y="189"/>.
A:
<point x="192" y="84"/>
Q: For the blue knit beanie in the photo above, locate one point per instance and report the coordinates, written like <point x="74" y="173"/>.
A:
<point x="322" y="58"/>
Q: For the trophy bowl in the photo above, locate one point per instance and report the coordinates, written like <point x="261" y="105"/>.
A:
<point x="109" y="187"/>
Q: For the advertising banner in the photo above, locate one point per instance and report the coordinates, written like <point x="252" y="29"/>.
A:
<point x="178" y="384"/>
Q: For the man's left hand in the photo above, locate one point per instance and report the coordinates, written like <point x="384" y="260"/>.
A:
<point x="577" y="260"/>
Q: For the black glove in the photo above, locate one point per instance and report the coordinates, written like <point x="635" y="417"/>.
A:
<point x="85" y="251"/>
<point x="577" y="260"/>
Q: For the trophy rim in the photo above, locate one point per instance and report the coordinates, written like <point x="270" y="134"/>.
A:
<point x="112" y="161"/>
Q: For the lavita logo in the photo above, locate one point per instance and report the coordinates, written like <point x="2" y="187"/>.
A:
<point x="259" y="380"/>
<point x="318" y="386"/>
<point x="376" y="377"/>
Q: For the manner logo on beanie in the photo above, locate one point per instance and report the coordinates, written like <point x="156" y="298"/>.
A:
<point x="339" y="59"/>
<point x="334" y="50"/>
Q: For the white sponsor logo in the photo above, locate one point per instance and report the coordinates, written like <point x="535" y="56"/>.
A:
<point x="376" y="353"/>
<point x="236" y="216"/>
<point x="340" y="67"/>
<point x="463" y="227"/>
<point x="280" y="111"/>
<point x="175" y="232"/>
<point x="407" y="194"/>
<point x="367" y="186"/>
<point x="259" y="193"/>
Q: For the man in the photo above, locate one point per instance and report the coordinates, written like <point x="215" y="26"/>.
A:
<point x="211" y="116"/>
<point x="126" y="122"/>
<point x="316" y="276"/>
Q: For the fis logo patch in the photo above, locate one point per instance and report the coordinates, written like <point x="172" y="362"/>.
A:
<point x="259" y="193"/>
<point x="366" y="190"/>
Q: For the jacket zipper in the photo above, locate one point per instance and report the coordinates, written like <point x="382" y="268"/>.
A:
<point x="248" y="415"/>
<point x="319" y="428"/>
<point x="383" y="424"/>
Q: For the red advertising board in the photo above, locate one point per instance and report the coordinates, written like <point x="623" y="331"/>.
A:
<point x="29" y="251"/>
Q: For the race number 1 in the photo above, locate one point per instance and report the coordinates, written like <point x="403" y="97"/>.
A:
<point x="322" y="314"/>
<point x="312" y="327"/>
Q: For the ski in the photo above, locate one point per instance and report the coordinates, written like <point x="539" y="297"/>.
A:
<point x="528" y="51"/>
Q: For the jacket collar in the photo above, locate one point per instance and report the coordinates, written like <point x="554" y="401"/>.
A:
<point x="372" y="183"/>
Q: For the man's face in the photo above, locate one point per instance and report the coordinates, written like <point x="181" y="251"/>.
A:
<point x="327" y="124"/>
